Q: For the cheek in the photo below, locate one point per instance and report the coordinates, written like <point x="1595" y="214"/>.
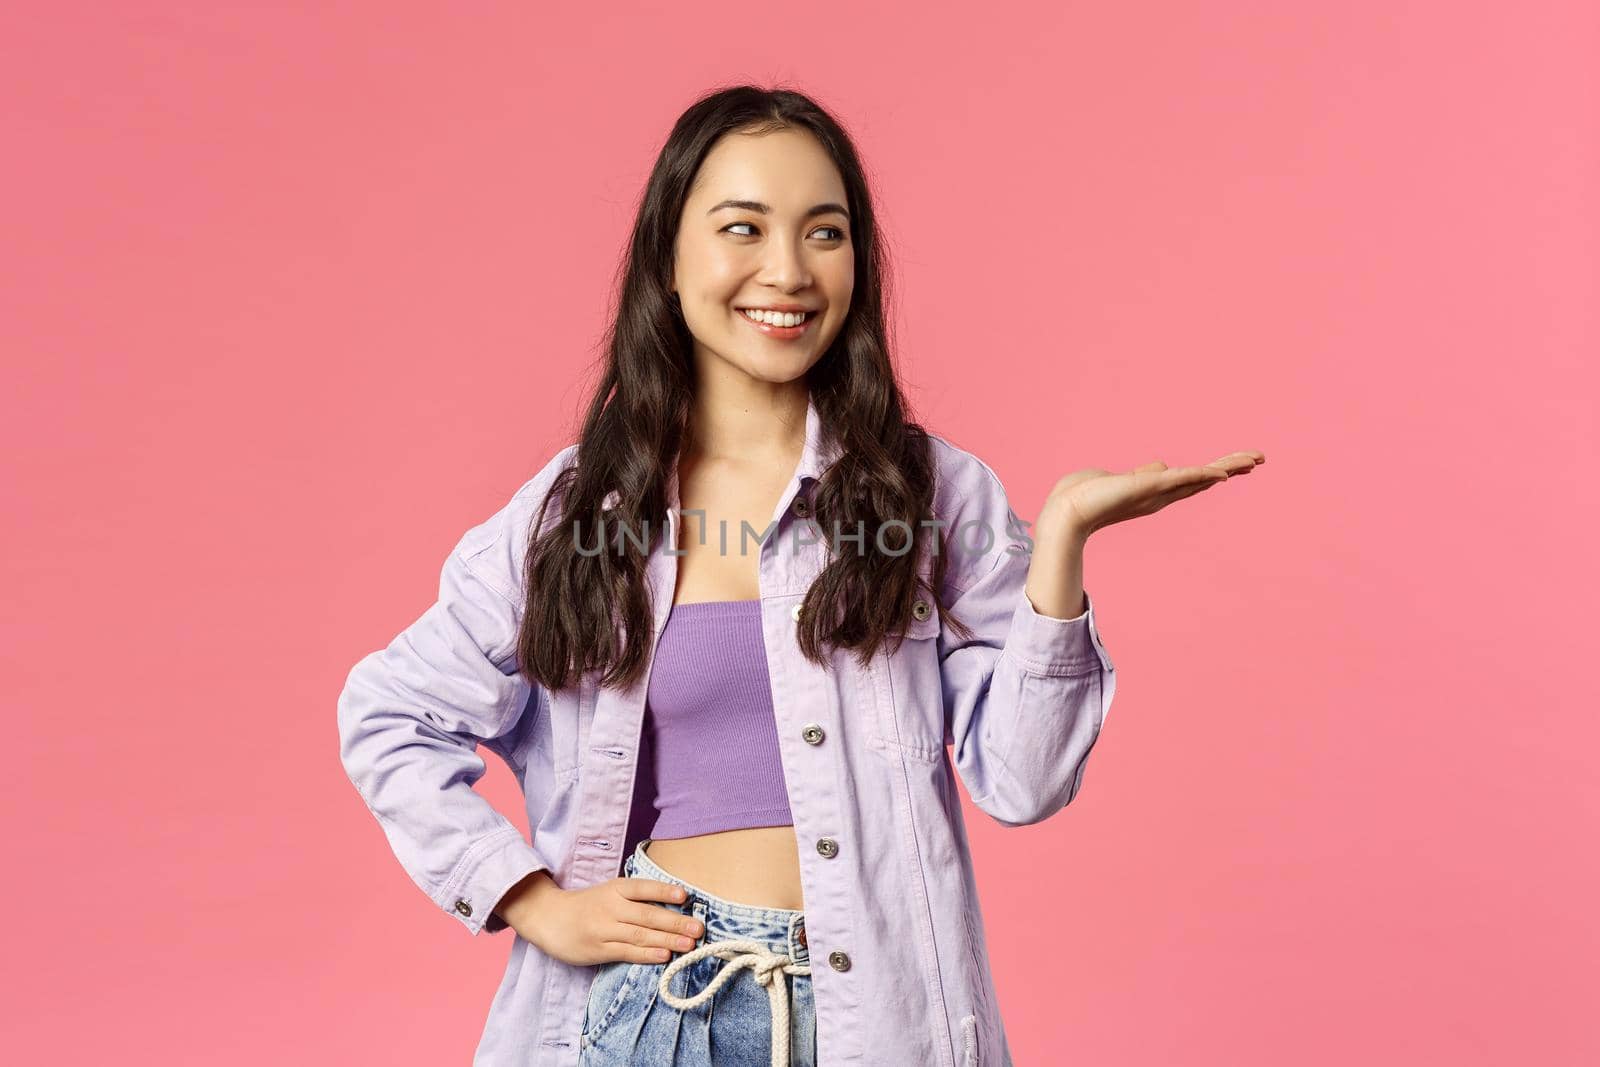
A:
<point x="841" y="282"/>
<point x="840" y="288"/>
<point x="716" y="278"/>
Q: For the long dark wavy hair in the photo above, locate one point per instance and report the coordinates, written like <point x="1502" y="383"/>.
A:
<point x="591" y="611"/>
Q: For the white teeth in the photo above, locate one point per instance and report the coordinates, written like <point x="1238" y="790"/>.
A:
<point x="776" y="318"/>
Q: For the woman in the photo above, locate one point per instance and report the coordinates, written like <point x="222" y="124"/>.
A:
<point x="723" y="640"/>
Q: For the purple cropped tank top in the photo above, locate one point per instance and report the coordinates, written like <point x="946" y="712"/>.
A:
<point x="712" y="733"/>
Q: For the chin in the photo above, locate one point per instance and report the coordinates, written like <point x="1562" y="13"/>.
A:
<point x="775" y="375"/>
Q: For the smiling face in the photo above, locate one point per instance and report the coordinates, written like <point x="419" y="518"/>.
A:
<point x="765" y="226"/>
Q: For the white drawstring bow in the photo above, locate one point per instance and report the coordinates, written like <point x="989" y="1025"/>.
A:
<point x="768" y="968"/>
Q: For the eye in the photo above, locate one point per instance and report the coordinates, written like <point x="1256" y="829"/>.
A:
<point x="839" y="234"/>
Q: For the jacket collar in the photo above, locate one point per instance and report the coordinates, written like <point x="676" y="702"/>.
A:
<point x="819" y="453"/>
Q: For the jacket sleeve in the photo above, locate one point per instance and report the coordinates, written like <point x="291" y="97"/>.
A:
<point x="411" y="717"/>
<point x="1025" y="697"/>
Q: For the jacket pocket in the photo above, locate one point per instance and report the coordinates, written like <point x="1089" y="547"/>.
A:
<point x="909" y="698"/>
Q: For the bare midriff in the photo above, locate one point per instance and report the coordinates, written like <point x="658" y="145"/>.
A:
<point x="759" y="866"/>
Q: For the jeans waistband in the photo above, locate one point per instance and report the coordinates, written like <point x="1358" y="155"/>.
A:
<point x="726" y="918"/>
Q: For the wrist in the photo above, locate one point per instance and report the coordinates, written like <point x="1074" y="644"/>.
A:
<point x="1057" y="530"/>
<point x="520" y="902"/>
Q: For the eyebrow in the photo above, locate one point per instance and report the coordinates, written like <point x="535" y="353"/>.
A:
<point x="766" y="209"/>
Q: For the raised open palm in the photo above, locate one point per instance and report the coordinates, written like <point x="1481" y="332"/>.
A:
<point x="1092" y="499"/>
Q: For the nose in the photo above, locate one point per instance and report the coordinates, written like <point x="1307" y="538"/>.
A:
<point x="785" y="266"/>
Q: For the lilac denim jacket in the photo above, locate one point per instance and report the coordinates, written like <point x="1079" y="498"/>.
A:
<point x="900" y="968"/>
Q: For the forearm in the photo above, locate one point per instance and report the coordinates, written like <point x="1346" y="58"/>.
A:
<point x="1055" y="573"/>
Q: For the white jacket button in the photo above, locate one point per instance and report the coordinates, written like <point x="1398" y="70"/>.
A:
<point x="464" y="908"/>
<point x="828" y="847"/>
<point x="839" y="961"/>
<point x="794" y="612"/>
<point x="812" y="733"/>
<point x="921" y="609"/>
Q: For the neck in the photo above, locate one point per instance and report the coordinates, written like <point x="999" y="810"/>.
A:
<point x="749" y="420"/>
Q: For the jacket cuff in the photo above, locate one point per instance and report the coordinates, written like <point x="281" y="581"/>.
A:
<point x="484" y="876"/>
<point x="1046" y="646"/>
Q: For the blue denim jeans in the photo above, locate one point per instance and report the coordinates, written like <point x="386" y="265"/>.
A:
<point x="631" y="1017"/>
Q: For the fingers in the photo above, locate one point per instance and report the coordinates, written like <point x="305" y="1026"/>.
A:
<point x="658" y="943"/>
<point x="1162" y="484"/>
<point x="1196" y="480"/>
<point x="1182" y="477"/>
<point x="1161" y="500"/>
<point x="1239" y="462"/>
<point x="649" y="889"/>
<point x="1169" y="478"/>
<point x="655" y="917"/>
<point x="651" y="933"/>
<point x="631" y="953"/>
<point x="640" y="929"/>
<point x="639" y="907"/>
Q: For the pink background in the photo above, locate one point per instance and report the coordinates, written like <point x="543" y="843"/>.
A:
<point x="294" y="295"/>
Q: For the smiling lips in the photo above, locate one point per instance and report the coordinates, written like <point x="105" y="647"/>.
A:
<point x="783" y="325"/>
<point x="784" y="316"/>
